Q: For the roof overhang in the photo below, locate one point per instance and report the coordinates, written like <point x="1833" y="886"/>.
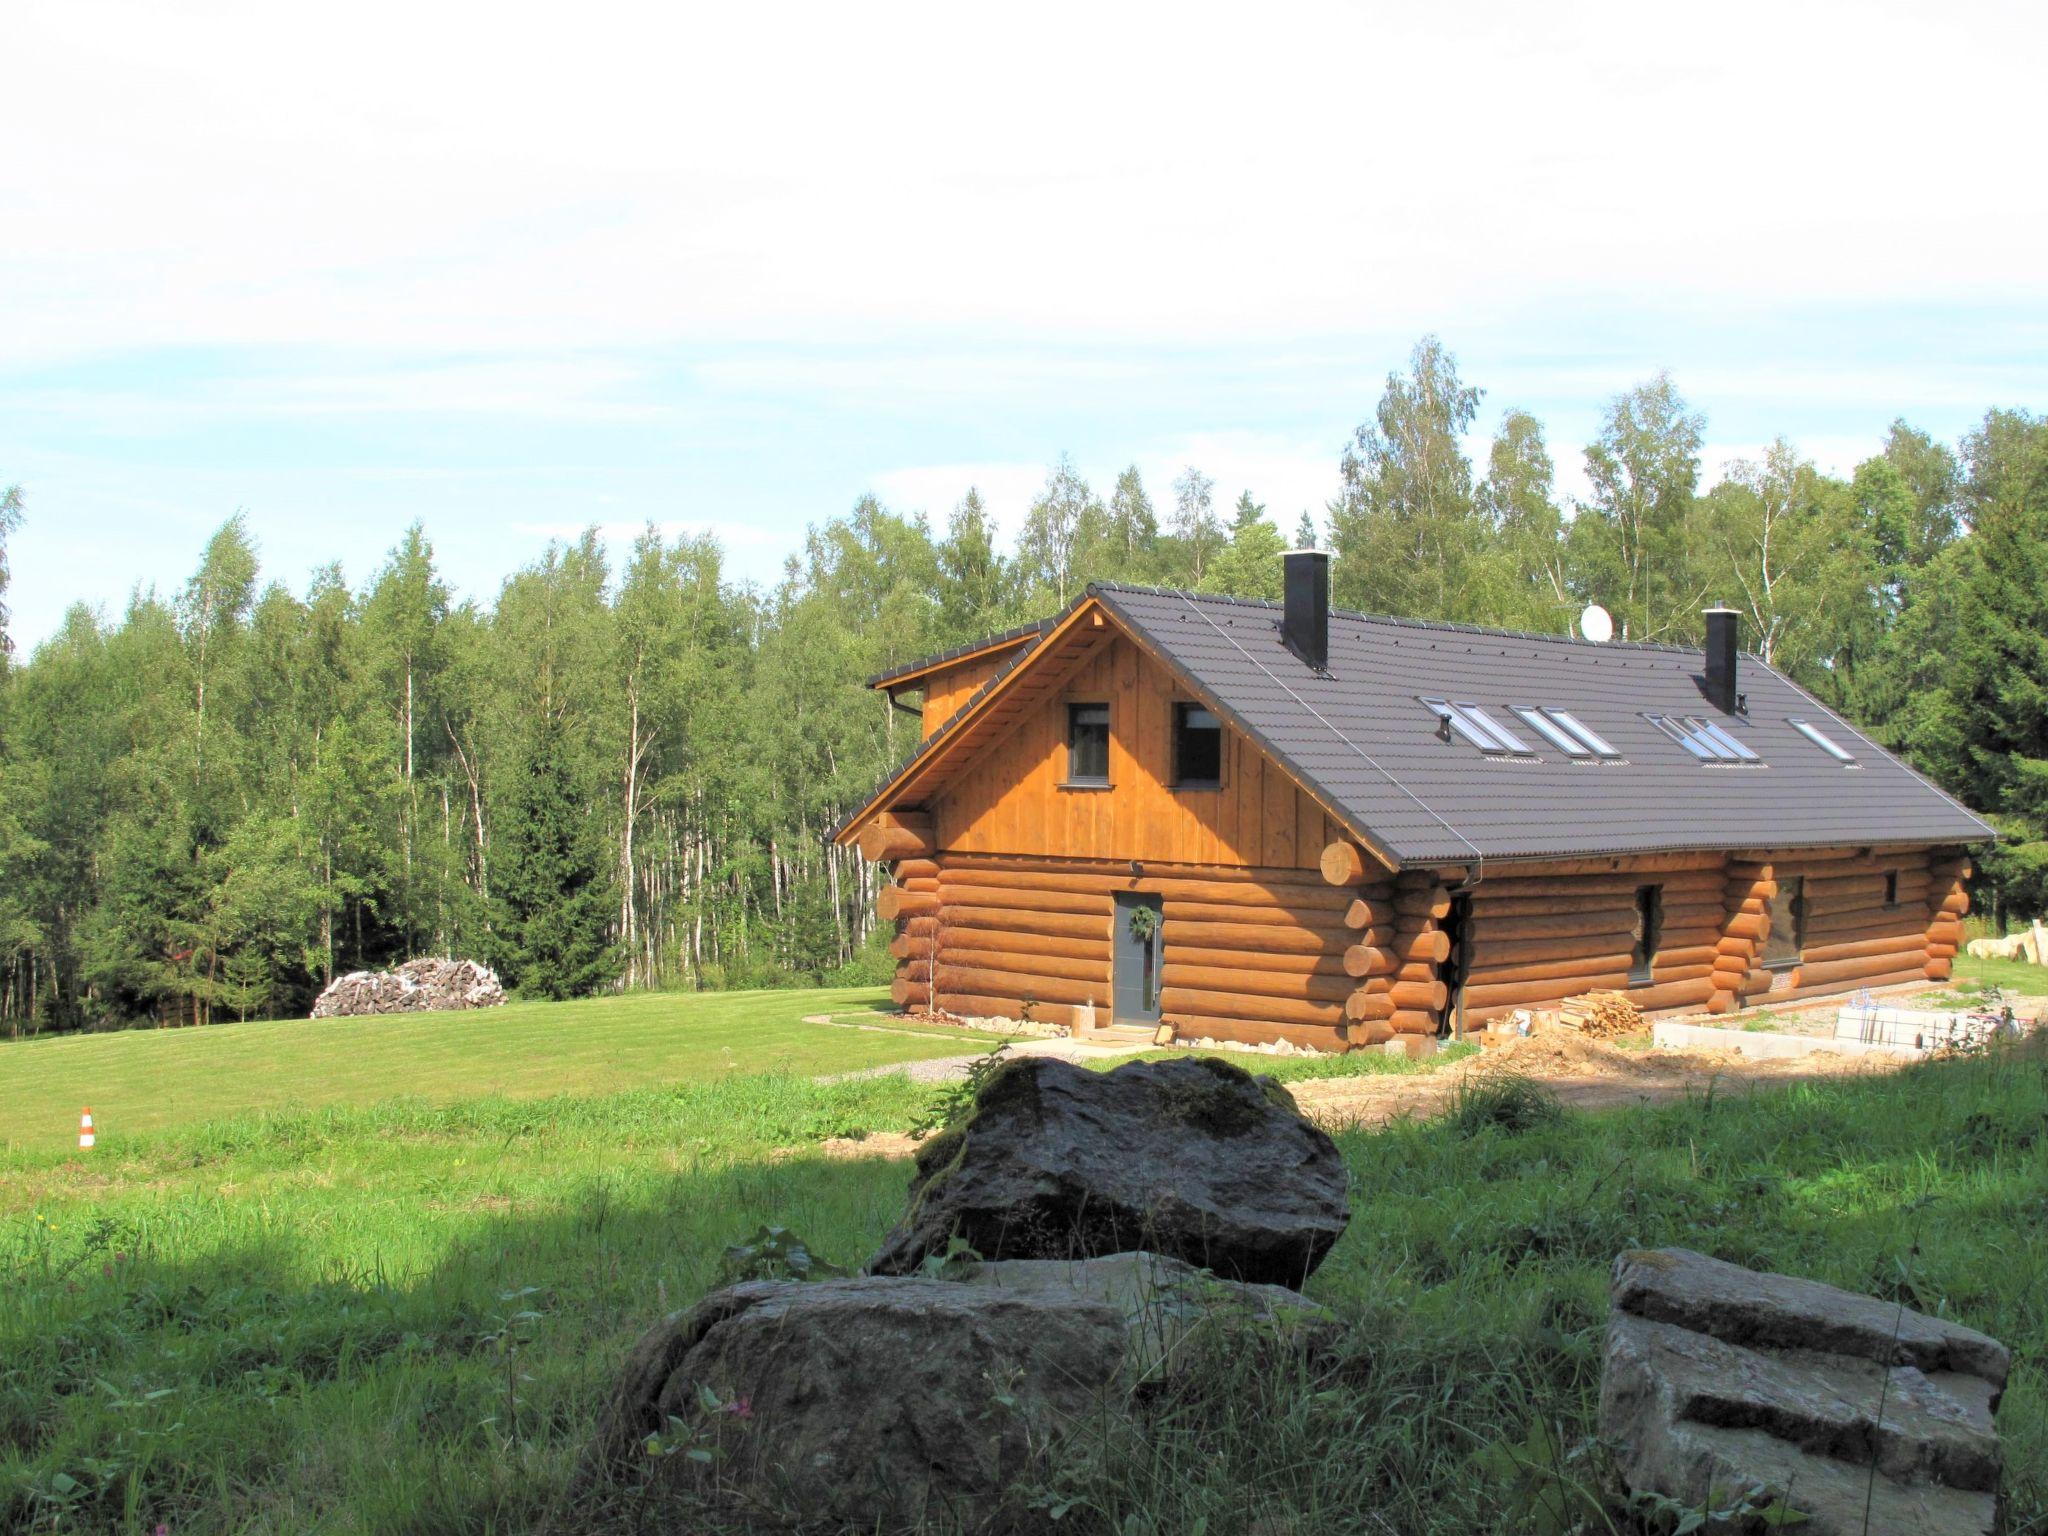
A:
<point x="913" y="673"/>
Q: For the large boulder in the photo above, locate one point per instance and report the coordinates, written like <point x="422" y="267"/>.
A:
<point x="885" y="1403"/>
<point x="1191" y="1157"/>
<point x="418" y="986"/>
<point x="1861" y="1414"/>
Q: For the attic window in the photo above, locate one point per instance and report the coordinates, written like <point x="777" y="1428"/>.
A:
<point x="1563" y="731"/>
<point x="1197" y="748"/>
<point x="1825" y="742"/>
<point x="1087" y="743"/>
<point x="1703" y="739"/>
<point x="1477" y="727"/>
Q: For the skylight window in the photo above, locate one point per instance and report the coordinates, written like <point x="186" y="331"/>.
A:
<point x="1553" y="733"/>
<point x="1595" y="742"/>
<point x="1703" y="739"/>
<point x="1501" y="733"/>
<point x="1479" y="728"/>
<point x="1825" y="742"/>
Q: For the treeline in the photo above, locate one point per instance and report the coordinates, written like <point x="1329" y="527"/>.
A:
<point x="623" y="775"/>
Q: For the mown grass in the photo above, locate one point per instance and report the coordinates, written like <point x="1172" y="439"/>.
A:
<point x="400" y="1319"/>
<point x="143" y="1080"/>
<point x="2014" y="976"/>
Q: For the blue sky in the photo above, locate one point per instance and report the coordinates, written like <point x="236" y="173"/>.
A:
<point x="511" y="276"/>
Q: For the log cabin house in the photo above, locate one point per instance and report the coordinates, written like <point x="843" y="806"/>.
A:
<point x="1261" y="821"/>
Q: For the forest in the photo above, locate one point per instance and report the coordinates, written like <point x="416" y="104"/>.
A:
<point x="621" y="771"/>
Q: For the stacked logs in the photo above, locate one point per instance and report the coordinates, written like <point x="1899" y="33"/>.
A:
<point x="1870" y="921"/>
<point x="902" y="841"/>
<point x="1543" y="934"/>
<point x="1392" y="947"/>
<point x="1738" y="967"/>
<point x="1948" y="902"/>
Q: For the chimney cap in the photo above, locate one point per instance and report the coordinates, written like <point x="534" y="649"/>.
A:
<point x="1722" y="608"/>
<point x="1306" y="550"/>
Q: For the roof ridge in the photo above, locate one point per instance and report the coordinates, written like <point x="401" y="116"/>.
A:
<point x="1443" y="625"/>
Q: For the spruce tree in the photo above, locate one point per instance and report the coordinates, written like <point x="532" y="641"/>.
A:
<point x="552" y="936"/>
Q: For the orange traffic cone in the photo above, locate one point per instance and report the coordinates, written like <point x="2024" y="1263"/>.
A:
<point x="85" y="1136"/>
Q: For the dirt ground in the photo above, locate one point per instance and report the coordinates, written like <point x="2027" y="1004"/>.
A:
<point x="1583" y="1073"/>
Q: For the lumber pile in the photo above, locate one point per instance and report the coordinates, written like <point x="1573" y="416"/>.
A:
<point x="1602" y="1015"/>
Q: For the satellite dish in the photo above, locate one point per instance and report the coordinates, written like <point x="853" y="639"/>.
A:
<point x="1596" y="624"/>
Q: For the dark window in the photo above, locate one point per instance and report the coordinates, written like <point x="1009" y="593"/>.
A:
<point x="1197" y="747"/>
<point x="1891" y="887"/>
<point x="1087" y="743"/>
<point x="1649" y="931"/>
<point x="1788" y="922"/>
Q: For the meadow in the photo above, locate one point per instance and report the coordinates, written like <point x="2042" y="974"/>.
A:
<point x="399" y="1316"/>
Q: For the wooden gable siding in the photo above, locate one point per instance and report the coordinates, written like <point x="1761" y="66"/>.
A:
<point x="1011" y="800"/>
<point x="949" y="688"/>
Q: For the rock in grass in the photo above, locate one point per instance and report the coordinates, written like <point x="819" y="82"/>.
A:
<point x="889" y="1403"/>
<point x="1859" y="1413"/>
<point x="1191" y="1157"/>
<point x="418" y="986"/>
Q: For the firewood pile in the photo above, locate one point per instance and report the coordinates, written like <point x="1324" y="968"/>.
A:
<point x="1601" y="1015"/>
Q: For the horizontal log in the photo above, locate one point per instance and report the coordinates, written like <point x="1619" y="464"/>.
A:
<point x="1957" y="905"/>
<point x="1553" y="989"/>
<point x="1071" y="968"/>
<point x="1362" y="1005"/>
<point x="1345" y="863"/>
<point x="1615" y="887"/>
<point x="1413" y="1021"/>
<point x="881" y="842"/>
<point x="1246" y="1005"/>
<point x="906" y="947"/>
<point x="1938" y="968"/>
<point x="1308" y="989"/>
<point x="1367" y="960"/>
<point x="1363" y="913"/>
<point x="1747" y="926"/>
<point x="1158" y="880"/>
<point x="1432" y="903"/>
<point x="1487" y="926"/>
<point x="1273" y="962"/>
<point x="908" y="993"/>
<point x="1857" y="949"/>
<point x="1941" y="951"/>
<point x="1368" y="1032"/>
<point x="1678" y="994"/>
<point x="1723" y="1001"/>
<point x="970" y="1005"/>
<point x="906" y="870"/>
<point x="1432" y="946"/>
<point x="1548" y="970"/>
<point x="1010" y="899"/>
<point x="1871" y="925"/>
<point x="1487" y="953"/>
<point x="1300" y="941"/>
<point x="1120" y="869"/>
<point x="895" y="901"/>
<point x="1685" y="954"/>
<point x="1193" y="1026"/>
<point x="1324" y="921"/>
<point x="1822" y="973"/>
<point x="1419" y="970"/>
<point x="1945" y="930"/>
<point x="1916" y="976"/>
<point x="1031" y="984"/>
<point x="1419" y="994"/>
<point x="1010" y="941"/>
<point x="996" y="920"/>
<point x="1601" y="864"/>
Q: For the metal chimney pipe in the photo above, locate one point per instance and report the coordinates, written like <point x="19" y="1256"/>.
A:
<point x="1723" y="635"/>
<point x="1305" y="620"/>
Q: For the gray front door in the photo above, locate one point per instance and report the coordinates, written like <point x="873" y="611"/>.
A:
<point x="1134" y="978"/>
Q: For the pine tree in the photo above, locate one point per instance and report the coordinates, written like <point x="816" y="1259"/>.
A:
<point x="552" y="938"/>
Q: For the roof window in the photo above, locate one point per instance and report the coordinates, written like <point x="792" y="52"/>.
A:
<point x="1703" y="739"/>
<point x="1477" y="727"/>
<point x="1825" y="742"/>
<point x="1564" y="731"/>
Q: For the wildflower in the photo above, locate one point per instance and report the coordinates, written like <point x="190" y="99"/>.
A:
<point x="741" y="1408"/>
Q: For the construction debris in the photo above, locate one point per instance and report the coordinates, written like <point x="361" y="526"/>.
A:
<point x="1601" y="1015"/>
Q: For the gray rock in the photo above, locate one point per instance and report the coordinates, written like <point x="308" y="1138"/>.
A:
<point x="881" y="1402"/>
<point x="418" y="986"/>
<point x="1191" y="1157"/>
<point x="1864" y="1415"/>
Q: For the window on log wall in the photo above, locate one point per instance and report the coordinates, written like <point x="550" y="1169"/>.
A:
<point x="1788" y="922"/>
<point x="1648" y="932"/>
<point x="1197" y="748"/>
<point x="1087" y="743"/>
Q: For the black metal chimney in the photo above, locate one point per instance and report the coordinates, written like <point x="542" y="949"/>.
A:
<point x="1722" y="626"/>
<point x="1305" y="624"/>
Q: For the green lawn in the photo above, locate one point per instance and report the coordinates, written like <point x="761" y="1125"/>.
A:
<point x="2015" y="976"/>
<point x="144" y="1080"/>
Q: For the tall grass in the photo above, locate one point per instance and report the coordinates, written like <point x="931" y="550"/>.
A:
<point x="401" y="1319"/>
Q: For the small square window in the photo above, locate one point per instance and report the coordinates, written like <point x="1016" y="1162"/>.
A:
<point x="1197" y="747"/>
<point x="1087" y="743"/>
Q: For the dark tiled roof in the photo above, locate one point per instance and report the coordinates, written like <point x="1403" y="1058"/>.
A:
<point x="1359" y="738"/>
<point x="986" y="643"/>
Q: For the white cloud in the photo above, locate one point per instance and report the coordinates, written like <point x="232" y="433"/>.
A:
<point x="493" y="178"/>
